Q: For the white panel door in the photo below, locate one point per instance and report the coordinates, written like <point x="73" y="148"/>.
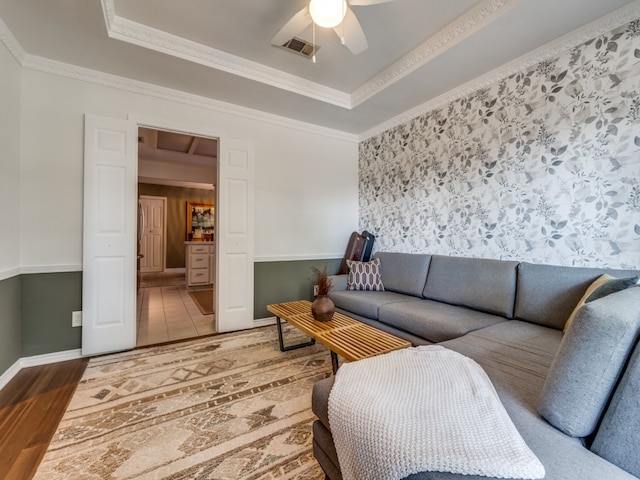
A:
<point x="109" y="233"/>
<point x="234" y="237"/>
<point x="152" y="245"/>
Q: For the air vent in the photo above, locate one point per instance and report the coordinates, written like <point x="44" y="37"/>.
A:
<point x="300" y="46"/>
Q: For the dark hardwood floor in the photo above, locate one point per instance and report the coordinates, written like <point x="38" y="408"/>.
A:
<point x="31" y="406"/>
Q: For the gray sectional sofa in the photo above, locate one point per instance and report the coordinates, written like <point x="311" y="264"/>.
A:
<point x="574" y="397"/>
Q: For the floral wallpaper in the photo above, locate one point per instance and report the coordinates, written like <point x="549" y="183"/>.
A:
<point x="543" y="166"/>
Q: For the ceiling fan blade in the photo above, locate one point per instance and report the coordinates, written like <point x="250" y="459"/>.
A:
<point x="293" y="27"/>
<point x="368" y="2"/>
<point x="352" y="32"/>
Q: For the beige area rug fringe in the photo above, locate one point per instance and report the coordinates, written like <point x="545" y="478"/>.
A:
<point x="226" y="407"/>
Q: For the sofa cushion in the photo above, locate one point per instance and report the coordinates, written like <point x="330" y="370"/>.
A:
<point x="483" y="284"/>
<point x="618" y="437"/>
<point x="433" y="320"/>
<point x="363" y="302"/>
<point x="409" y="337"/>
<point x="592" y="355"/>
<point x="517" y="356"/>
<point x="547" y="294"/>
<point x="404" y="272"/>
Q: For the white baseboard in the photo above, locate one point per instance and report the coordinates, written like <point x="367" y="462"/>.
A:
<point x="11" y="372"/>
<point x="47" y="358"/>
<point x="263" y="322"/>
<point x="36" y="360"/>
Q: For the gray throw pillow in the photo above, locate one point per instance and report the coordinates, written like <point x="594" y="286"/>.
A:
<point x="590" y="360"/>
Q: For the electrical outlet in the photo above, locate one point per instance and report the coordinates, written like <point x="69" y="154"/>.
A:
<point x="315" y="290"/>
<point x="76" y="319"/>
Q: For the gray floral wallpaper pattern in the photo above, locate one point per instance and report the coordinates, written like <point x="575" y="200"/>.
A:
<point x="543" y="166"/>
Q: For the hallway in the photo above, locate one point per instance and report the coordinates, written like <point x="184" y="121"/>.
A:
<point x="168" y="313"/>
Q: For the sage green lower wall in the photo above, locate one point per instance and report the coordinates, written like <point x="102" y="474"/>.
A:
<point x="276" y="282"/>
<point x="35" y="309"/>
<point x="9" y="322"/>
<point x="46" y="301"/>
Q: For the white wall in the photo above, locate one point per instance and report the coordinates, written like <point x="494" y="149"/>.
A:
<point x="306" y="183"/>
<point x="9" y="162"/>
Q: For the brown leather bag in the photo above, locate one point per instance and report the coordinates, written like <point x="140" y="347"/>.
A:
<point x="354" y="251"/>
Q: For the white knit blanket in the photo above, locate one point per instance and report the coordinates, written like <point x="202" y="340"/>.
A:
<point x="423" y="409"/>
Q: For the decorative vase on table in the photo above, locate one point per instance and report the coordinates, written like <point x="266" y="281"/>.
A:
<point x="322" y="307"/>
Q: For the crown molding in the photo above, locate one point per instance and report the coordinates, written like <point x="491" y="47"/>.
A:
<point x="467" y="24"/>
<point x="9" y="41"/>
<point x="470" y="22"/>
<point x="550" y="50"/>
<point x="136" y="33"/>
<point x="41" y="64"/>
<point x="95" y="77"/>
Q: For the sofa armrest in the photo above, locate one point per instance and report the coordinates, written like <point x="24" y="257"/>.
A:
<point x="320" y="399"/>
<point x="339" y="282"/>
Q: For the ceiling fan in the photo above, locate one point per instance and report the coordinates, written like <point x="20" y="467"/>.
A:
<point x="336" y="14"/>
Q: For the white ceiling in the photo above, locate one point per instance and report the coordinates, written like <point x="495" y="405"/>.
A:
<point x="220" y="49"/>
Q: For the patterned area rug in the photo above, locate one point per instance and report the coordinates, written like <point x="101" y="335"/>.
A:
<point x="226" y="407"/>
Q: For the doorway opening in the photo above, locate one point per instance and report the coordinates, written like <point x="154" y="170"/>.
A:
<point x="176" y="288"/>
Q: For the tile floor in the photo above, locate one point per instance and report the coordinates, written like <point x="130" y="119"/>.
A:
<point x="169" y="313"/>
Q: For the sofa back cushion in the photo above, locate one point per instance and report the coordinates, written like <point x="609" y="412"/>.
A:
<point x="618" y="437"/>
<point x="482" y="284"/>
<point x="547" y="294"/>
<point x="590" y="361"/>
<point x="404" y="272"/>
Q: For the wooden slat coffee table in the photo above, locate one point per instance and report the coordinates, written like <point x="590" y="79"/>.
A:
<point x="342" y="335"/>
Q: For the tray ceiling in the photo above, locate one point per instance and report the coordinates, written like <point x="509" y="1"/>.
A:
<point x="418" y="49"/>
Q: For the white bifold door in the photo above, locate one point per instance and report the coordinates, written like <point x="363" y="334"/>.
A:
<point x="109" y="235"/>
<point x="234" y="237"/>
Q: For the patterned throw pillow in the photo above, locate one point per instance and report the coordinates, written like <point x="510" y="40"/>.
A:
<point x="364" y="275"/>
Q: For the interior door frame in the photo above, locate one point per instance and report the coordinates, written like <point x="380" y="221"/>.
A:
<point x="189" y="129"/>
<point x="164" y="225"/>
<point x="116" y="135"/>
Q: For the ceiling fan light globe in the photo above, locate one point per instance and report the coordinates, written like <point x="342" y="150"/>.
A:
<point x="327" y="13"/>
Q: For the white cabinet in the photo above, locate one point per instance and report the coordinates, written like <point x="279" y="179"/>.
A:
<point x="200" y="263"/>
